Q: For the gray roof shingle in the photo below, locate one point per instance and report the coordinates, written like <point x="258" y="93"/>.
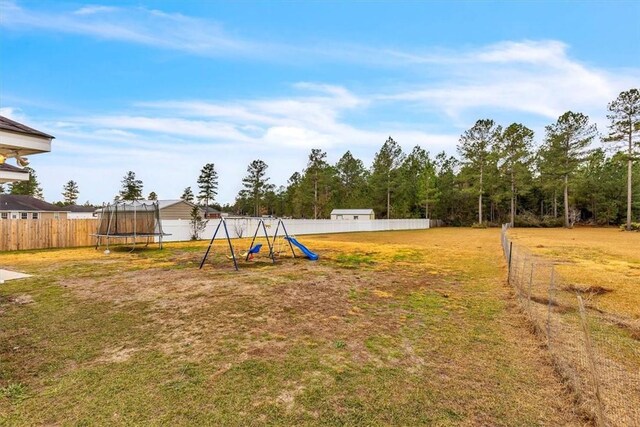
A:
<point x="12" y="202"/>
<point x="13" y="126"/>
<point x="10" y="168"/>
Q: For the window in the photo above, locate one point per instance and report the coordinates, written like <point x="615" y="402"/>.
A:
<point x="35" y="215"/>
<point x="4" y="215"/>
<point x="14" y="215"/>
<point x="56" y="215"/>
<point x="338" y="216"/>
<point x="24" y="215"/>
<point x="355" y="217"/>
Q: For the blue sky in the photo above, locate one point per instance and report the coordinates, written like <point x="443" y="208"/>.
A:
<point x="161" y="88"/>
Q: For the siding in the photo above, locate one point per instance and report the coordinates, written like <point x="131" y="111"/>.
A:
<point x="180" y="210"/>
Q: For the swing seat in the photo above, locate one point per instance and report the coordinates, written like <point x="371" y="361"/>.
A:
<point x="251" y="252"/>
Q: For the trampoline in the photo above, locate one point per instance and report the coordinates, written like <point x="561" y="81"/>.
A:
<point x="130" y="220"/>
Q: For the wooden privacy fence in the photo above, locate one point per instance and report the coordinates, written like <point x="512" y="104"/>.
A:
<point x="18" y="234"/>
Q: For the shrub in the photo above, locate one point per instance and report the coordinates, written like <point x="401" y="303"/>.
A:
<point x="635" y="226"/>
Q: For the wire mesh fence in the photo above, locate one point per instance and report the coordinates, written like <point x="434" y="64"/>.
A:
<point x="597" y="356"/>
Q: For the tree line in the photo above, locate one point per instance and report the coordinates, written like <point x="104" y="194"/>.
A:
<point x="500" y="175"/>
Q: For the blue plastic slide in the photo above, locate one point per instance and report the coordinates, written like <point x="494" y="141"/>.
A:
<point x="303" y="248"/>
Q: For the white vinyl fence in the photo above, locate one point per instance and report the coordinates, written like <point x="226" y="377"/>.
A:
<point x="180" y="230"/>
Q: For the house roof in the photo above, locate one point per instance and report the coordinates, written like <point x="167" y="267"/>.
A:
<point x="12" y="202"/>
<point x="142" y="205"/>
<point x="352" y="212"/>
<point x="13" y="126"/>
<point x="78" y="208"/>
<point x="10" y="168"/>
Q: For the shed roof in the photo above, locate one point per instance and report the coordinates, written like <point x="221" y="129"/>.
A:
<point x="352" y="212"/>
<point x="13" y="126"/>
<point x="12" y="202"/>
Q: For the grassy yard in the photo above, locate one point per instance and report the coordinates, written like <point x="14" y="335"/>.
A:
<point x="389" y="328"/>
<point x="606" y="259"/>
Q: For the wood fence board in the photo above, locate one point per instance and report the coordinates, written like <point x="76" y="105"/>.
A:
<point x="21" y="234"/>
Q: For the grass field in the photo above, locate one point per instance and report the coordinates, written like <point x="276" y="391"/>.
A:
<point x="605" y="258"/>
<point x="400" y="328"/>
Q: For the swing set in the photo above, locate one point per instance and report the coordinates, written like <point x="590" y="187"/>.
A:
<point x="253" y="250"/>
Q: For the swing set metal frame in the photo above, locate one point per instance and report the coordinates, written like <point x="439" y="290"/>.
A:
<point x="261" y="224"/>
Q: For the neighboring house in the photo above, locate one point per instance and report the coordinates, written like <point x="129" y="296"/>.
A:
<point x="29" y="208"/>
<point x="80" y="212"/>
<point x="17" y="141"/>
<point x="169" y="209"/>
<point x="211" y="213"/>
<point x="176" y="209"/>
<point x="358" y="214"/>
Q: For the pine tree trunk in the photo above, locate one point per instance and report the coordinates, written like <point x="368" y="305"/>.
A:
<point x="555" y="204"/>
<point x="480" y="199"/>
<point x="315" y="197"/>
<point x="566" y="201"/>
<point x="513" y="201"/>
<point x="388" y="199"/>
<point x="629" y="181"/>
<point x="426" y="200"/>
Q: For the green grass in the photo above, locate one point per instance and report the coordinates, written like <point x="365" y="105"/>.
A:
<point x="148" y="339"/>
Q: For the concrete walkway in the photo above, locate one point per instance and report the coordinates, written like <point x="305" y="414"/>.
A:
<point x="11" y="275"/>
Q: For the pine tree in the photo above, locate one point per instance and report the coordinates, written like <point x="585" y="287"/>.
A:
<point x="352" y="181"/>
<point x="131" y="187"/>
<point x="255" y="183"/>
<point x="31" y="187"/>
<point x="70" y="192"/>
<point x="515" y="152"/>
<point x="475" y="147"/>
<point x="385" y="171"/>
<point x="187" y="195"/>
<point x="316" y="166"/>
<point x="624" y="127"/>
<point x="565" y="149"/>
<point x="294" y="195"/>
<point x="152" y="196"/>
<point x="208" y="184"/>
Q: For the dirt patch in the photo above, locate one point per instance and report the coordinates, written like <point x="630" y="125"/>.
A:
<point x="264" y="311"/>
<point x="116" y="355"/>
<point x="22" y="299"/>
<point x="587" y="289"/>
<point x="558" y="308"/>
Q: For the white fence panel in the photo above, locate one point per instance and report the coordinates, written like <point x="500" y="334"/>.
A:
<point x="179" y="230"/>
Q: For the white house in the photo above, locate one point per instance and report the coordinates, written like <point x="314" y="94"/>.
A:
<point x="358" y="214"/>
<point x="17" y="141"/>
<point x="80" y="212"/>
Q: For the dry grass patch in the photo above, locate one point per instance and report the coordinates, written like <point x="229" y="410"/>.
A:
<point x="593" y="258"/>
<point x="386" y="329"/>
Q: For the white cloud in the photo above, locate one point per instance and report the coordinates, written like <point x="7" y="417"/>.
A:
<point x="135" y="25"/>
<point x="167" y="141"/>
<point x="12" y="113"/>
<point x="93" y="9"/>
<point x="537" y="78"/>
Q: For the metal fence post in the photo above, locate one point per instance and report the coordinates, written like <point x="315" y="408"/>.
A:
<point x="509" y="265"/>
<point x="533" y="265"/>
<point x="592" y="362"/>
<point x="550" y="299"/>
